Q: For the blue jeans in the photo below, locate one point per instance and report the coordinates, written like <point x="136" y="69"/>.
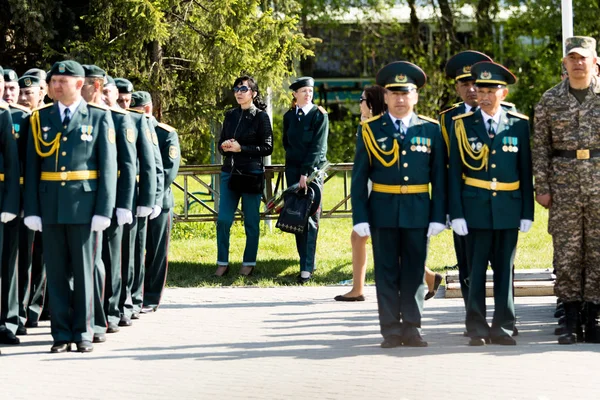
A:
<point x="228" y="202"/>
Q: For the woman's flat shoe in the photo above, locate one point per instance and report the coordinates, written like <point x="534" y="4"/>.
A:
<point x="344" y="298"/>
<point x="222" y="270"/>
<point x="436" y="285"/>
<point x="246" y="270"/>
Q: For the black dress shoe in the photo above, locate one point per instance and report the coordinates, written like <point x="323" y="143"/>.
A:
<point x="125" y="321"/>
<point x="415" y="341"/>
<point x="85" y="346"/>
<point x="391" y="342"/>
<point x="477" y="341"/>
<point x="21" y="331"/>
<point x="504" y="341"/>
<point x="135" y="315"/>
<point x="301" y="281"/>
<point x="515" y="331"/>
<point x="99" y="338"/>
<point x="146" y="310"/>
<point x="31" y="324"/>
<point x="60" y="347"/>
<point x="112" y="328"/>
<point x="7" y="337"/>
<point x="559" y="330"/>
<point x="436" y="285"/>
<point x="344" y="298"/>
<point x="45" y="316"/>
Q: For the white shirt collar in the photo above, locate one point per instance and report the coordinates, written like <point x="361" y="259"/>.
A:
<point x="468" y="108"/>
<point x="305" y="109"/>
<point x="72" y="108"/>
<point x="495" y="118"/>
<point x="405" y="120"/>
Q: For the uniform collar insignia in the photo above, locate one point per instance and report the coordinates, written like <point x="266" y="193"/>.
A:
<point x="46" y="128"/>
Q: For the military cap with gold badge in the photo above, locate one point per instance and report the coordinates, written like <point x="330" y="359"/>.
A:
<point x="29" y="81"/>
<point x="458" y="66"/>
<point x="67" y="68"/>
<point x="401" y="76"/>
<point x="491" y="74"/>
<point x="124" y="85"/>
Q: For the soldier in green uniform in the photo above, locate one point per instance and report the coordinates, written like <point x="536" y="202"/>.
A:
<point x="11" y="86"/>
<point x="159" y="225"/>
<point x="402" y="153"/>
<point x="491" y="198"/>
<point x="125" y="88"/>
<point x="459" y="68"/>
<point x="107" y="277"/>
<point x="142" y="102"/>
<point x="71" y="186"/>
<point x="9" y="203"/>
<point x="305" y="131"/>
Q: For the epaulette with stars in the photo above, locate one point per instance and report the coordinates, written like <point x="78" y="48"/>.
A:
<point x="468" y="114"/>
<point x="433" y="121"/>
<point x="518" y="115"/>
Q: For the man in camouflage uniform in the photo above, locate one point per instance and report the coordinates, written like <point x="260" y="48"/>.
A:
<point x="566" y="163"/>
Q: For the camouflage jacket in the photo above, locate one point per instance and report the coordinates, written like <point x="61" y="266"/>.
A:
<point x="561" y="123"/>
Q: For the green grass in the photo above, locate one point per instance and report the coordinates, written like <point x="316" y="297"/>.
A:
<point x="193" y="251"/>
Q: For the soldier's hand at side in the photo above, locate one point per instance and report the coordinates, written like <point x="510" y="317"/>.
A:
<point x="302" y="182"/>
<point x="100" y="223"/>
<point x="525" y="225"/>
<point x="124" y="216"/>
<point x="362" y="229"/>
<point x="459" y="225"/>
<point x="545" y="200"/>
<point x="435" y="228"/>
<point x="33" y="222"/>
<point x="142" y="211"/>
<point x="7" y="217"/>
<point x="156" y="210"/>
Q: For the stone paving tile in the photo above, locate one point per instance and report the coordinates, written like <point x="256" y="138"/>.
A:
<point x="297" y="343"/>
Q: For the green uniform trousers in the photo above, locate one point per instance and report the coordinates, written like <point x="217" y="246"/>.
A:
<point x="128" y="266"/>
<point x="157" y="257"/>
<point x="71" y="252"/>
<point x="111" y="258"/>
<point x="460" y="248"/>
<point x="38" y="301"/>
<point x="23" y="258"/>
<point x="498" y="247"/>
<point x="399" y="256"/>
<point x="9" y="300"/>
<point x="137" y="287"/>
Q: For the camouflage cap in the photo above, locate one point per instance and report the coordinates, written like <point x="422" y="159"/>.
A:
<point x="585" y="46"/>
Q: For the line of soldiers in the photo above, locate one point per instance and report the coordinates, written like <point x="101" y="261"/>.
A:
<point x="473" y="164"/>
<point x="86" y="203"/>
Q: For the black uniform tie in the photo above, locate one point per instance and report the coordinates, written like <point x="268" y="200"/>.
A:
<point x="67" y="118"/>
<point x="491" y="132"/>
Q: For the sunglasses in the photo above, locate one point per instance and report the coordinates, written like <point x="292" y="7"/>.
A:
<point x="242" y="89"/>
<point x="361" y="100"/>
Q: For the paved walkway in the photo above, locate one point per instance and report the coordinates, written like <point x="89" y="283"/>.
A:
<point x="297" y="343"/>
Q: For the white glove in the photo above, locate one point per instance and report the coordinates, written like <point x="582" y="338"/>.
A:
<point x="124" y="216"/>
<point x="525" y="225"/>
<point x="7" y="217"/>
<point x="33" y="222"/>
<point x="362" y="229"/>
<point x="100" y="223"/>
<point x="435" y="228"/>
<point x="142" y="211"/>
<point x="156" y="210"/>
<point x="459" y="225"/>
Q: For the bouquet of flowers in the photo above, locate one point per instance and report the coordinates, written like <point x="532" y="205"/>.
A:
<point x="275" y="204"/>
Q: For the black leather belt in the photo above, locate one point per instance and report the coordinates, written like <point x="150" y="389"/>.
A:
<point x="583" y="154"/>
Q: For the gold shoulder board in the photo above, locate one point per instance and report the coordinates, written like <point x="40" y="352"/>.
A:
<point x="20" y="107"/>
<point x="118" y="110"/>
<point x="433" y="121"/>
<point x="508" y="104"/>
<point x="100" y="106"/>
<point x="518" y="115"/>
<point x="450" y="108"/>
<point x="166" y="127"/>
<point x="44" y="106"/>
<point x="4" y="106"/>
<point x="370" y="119"/>
<point x="135" y="111"/>
<point x="323" y="111"/>
<point x="462" y="115"/>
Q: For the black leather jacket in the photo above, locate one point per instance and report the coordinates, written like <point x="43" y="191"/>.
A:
<point x="252" y="129"/>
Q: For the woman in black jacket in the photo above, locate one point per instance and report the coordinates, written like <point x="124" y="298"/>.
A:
<point x="246" y="138"/>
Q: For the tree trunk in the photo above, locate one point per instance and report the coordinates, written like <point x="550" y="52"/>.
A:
<point x="156" y="58"/>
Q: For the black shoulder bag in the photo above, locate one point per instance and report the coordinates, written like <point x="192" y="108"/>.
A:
<point x="296" y="210"/>
<point x="244" y="181"/>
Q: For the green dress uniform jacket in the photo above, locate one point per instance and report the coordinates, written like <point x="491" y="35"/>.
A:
<point x="159" y="228"/>
<point x="491" y="187"/>
<point x="9" y="202"/>
<point x="71" y="176"/>
<point x="399" y="210"/>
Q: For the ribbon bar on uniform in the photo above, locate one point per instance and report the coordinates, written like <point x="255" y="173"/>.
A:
<point x="492" y="185"/>
<point x="400" y="189"/>
<point x="69" y="176"/>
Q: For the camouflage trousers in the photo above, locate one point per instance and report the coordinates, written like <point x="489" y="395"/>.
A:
<point x="575" y="228"/>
